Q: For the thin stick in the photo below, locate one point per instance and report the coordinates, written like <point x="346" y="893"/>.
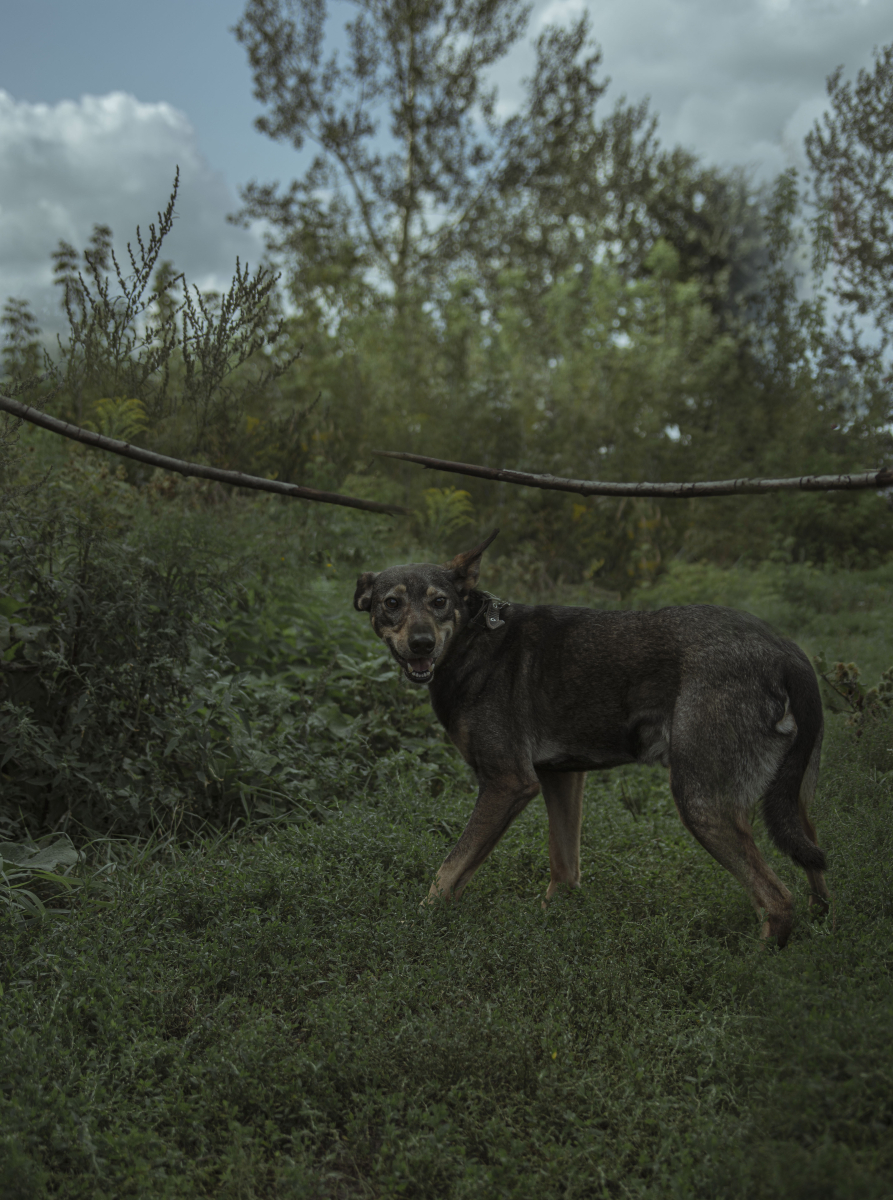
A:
<point x="676" y="491"/>
<point x="233" y="478"/>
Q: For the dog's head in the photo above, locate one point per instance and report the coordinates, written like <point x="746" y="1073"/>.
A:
<point x="418" y="608"/>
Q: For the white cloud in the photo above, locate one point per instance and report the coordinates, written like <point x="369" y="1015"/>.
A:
<point x="106" y="160"/>
<point x="740" y="84"/>
<point x="559" y="12"/>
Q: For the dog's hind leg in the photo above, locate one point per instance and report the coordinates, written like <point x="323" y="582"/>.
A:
<point x="499" y="801"/>
<point x="819" y="896"/>
<point x="727" y="835"/>
<point x="563" y="794"/>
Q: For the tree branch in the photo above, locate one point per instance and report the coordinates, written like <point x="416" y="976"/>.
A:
<point x="364" y="203"/>
<point x="672" y="491"/>
<point x="233" y="478"/>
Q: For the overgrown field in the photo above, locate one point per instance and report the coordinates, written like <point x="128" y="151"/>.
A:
<point x="225" y="986"/>
<point x="219" y="806"/>
<point x="271" y="1014"/>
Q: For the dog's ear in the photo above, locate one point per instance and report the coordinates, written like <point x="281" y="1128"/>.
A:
<point x="466" y="568"/>
<point x="362" y="597"/>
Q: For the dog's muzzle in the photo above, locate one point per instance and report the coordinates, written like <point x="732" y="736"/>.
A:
<point x="419" y="664"/>
<point x="419" y="670"/>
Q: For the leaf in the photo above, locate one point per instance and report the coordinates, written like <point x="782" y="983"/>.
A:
<point x="264" y="762"/>
<point x="29" y="633"/>
<point x="118" y="418"/>
<point x="22" y="899"/>
<point x="35" y="858"/>
<point x="9" y="605"/>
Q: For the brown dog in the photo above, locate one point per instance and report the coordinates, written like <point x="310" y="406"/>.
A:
<point x="535" y="696"/>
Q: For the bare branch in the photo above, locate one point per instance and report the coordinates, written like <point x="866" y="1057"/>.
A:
<point x="233" y="478"/>
<point x="881" y="478"/>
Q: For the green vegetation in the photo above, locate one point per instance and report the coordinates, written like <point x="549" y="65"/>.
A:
<point x="268" y="1012"/>
<point x="554" y="291"/>
<point x="220" y="807"/>
<point x="271" y="1014"/>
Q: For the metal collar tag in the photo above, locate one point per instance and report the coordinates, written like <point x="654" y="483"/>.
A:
<point x="491" y="609"/>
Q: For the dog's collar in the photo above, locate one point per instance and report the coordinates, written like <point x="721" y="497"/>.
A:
<point x="490" y="610"/>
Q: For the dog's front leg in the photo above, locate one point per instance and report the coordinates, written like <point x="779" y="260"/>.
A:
<point x="500" y="800"/>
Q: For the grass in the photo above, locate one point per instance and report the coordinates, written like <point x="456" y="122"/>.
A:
<point x="271" y="1014"/>
<point x="837" y="613"/>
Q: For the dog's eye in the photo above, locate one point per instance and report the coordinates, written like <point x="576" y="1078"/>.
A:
<point x="439" y="602"/>
<point x="392" y="602"/>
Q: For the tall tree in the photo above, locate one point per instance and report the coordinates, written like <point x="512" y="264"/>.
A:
<point x="402" y="120"/>
<point x="850" y="151"/>
<point x="416" y="174"/>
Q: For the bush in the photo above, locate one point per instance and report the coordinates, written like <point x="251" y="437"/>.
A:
<point x="159" y="677"/>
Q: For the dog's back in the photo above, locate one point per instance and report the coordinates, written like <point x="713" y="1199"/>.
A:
<point x="604" y="688"/>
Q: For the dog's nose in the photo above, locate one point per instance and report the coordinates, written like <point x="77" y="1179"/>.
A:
<point x="421" y="643"/>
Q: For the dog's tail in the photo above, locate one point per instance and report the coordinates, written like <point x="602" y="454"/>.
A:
<point x="787" y="799"/>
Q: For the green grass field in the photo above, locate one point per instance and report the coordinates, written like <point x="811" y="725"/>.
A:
<point x="271" y="1014"/>
<point x="268" y="1012"/>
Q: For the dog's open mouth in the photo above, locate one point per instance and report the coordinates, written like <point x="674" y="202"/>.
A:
<point x="419" y="670"/>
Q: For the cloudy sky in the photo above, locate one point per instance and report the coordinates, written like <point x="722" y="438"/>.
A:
<point x="99" y="100"/>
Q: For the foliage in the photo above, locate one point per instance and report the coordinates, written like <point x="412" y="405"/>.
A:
<point x="650" y="323"/>
<point x="21" y="357"/>
<point x="612" y="308"/>
<point x="447" y="510"/>
<point x="607" y="378"/>
<point x="146" y="355"/>
<point x="851" y="158"/>
<point x="98" y="637"/>
<point x="404" y="212"/>
<point x="273" y="1014"/>
<point x="859" y="702"/>
<point x="120" y="418"/>
<point x="145" y="335"/>
<point x="418" y="181"/>
<point x="150" y="680"/>
<point x="21" y="353"/>
<point x="599" y="374"/>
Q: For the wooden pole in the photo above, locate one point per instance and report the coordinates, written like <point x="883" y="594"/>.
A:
<point x="232" y="478"/>
<point x="881" y="478"/>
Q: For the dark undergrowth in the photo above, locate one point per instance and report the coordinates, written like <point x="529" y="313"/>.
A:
<point x="271" y="1014"/>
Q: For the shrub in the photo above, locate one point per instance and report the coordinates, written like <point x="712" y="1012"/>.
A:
<point x="154" y="678"/>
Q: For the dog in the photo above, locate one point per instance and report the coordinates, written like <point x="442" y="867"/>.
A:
<point x="534" y="696"/>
